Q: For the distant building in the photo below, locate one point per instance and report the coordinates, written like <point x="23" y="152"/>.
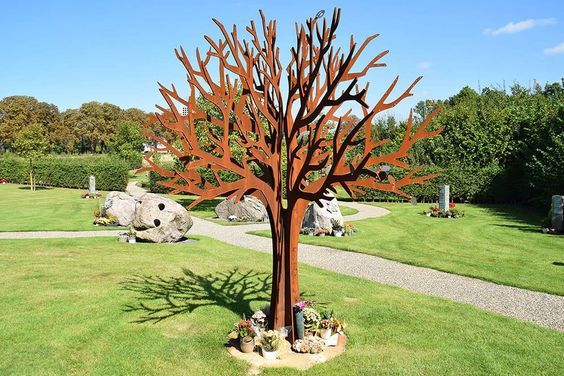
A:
<point x="184" y="111"/>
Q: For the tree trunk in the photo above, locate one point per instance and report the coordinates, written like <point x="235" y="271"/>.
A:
<point x="31" y="186"/>
<point x="285" y="229"/>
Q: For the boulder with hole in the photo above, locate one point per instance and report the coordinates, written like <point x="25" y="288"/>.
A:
<point x="249" y="209"/>
<point x="318" y="216"/>
<point x="120" y="205"/>
<point x="160" y="220"/>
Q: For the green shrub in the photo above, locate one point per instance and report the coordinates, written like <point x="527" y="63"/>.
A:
<point x="68" y="171"/>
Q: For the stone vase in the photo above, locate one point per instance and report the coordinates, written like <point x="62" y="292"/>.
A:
<point x="325" y="333"/>
<point x="299" y="323"/>
<point x="247" y="344"/>
<point x="269" y="355"/>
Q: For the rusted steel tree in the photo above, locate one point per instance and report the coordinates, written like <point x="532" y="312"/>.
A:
<point x="263" y="122"/>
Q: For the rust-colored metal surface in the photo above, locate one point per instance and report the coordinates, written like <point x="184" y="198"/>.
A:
<point x="247" y="114"/>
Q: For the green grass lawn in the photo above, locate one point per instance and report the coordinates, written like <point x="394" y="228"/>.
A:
<point x="91" y="306"/>
<point x="47" y="209"/>
<point x="502" y="244"/>
<point x="61" y="209"/>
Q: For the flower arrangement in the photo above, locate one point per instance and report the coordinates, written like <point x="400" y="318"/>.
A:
<point x="329" y="321"/>
<point x="350" y="230"/>
<point x="88" y="195"/>
<point x="452" y="212"/>
<point x="307" y="231"/>
<point x="242" y="329"/>
<point x="302" y="304"/>
<point x="270" y="340"/>
<point x="322" y="232"/>
<point x="325" y="324"/>
<point x="311" y="319"/>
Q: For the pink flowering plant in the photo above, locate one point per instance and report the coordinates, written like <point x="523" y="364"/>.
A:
<point x="302" y="304"/>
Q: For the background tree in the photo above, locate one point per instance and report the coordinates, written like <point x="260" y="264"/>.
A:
<point x="18" y="112"/>
<point x="128" y="142"/>
<point x="302" y="127"/>
<point x="31" y="144"/>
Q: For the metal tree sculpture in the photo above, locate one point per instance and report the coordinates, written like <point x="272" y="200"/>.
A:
<point x="260" y="125"/>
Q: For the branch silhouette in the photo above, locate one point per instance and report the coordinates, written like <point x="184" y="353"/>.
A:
<point x="160" y="298"/>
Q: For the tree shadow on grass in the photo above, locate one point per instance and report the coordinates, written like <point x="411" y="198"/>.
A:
<point x="37" y="188"/>
<point x="519" y="217"/>
<point x="160" y="298"/>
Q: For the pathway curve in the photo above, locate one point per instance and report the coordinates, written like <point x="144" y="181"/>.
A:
<point x="537" y="307"/>
<point x="540" y="308"/>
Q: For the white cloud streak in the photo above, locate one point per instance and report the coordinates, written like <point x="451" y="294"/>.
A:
<point x="516" y="27"/>
<point x="558" y="49"/>
<point x="424" y="65"/>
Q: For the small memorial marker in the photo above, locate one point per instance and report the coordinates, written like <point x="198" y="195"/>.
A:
<point x="558" y="212"/>
<point x="92" y="186"/>
<point x="444" y="196"/>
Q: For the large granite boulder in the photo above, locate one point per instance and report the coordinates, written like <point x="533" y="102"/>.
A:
<point x="318" y="216"/>
<point x="250" y="209"/>
<point x="120" y="205"/>
<point x="160" y="220"/>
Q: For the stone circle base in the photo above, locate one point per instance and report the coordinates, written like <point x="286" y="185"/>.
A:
<point x="286" y="357"/>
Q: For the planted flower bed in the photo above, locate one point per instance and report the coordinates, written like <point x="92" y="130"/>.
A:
<point x="315" y="333"/>
<point x="451" y="212"/>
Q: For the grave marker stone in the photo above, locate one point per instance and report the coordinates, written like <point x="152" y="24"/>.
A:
<point x="92" y="185"/>
<point x="444" y="196"/>
<point x="558" y="212"/>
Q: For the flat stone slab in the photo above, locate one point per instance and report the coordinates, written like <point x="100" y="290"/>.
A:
<point x="287" y="357"/>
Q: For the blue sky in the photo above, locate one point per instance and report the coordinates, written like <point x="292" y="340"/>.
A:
<point x="71" y="52"/>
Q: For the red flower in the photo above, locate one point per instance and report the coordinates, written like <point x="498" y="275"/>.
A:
<point x="451" y="205"/>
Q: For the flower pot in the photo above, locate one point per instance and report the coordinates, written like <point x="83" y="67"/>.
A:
<point x="132" y="239"/>
<point x="338" y="233"/>
<point x="247" y="344"/>
<point x="299" y="323"/>
<point x="325" y="333"/>
<point x="269" y="355"/>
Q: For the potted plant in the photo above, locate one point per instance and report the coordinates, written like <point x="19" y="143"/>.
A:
<point x="311" y="319"/>
<point x="245" y="332"/>
<point x="270" y="343"/>
<point x="299" y="317"/>
<point x="337" y="228"/>
<point x="131" y="238"/>
<point x="308" y="231"/>
<point x="321" y="232"/>
<point x="325" y="327"/>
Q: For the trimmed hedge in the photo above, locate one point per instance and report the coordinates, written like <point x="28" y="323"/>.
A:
<point x="68" y="171"/>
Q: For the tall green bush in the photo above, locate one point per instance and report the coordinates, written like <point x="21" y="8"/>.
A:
<point x="68" y="171"/>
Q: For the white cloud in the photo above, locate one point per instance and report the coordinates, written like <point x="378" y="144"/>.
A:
<point x="424" y="65"/>
<point x="515" y="27"/>
<point x="558" y="49"/>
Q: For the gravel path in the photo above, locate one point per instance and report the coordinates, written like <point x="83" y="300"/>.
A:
<point x="543" y="309"/>
<point x="536" y="307"/>
<point x="58" y="234"/>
